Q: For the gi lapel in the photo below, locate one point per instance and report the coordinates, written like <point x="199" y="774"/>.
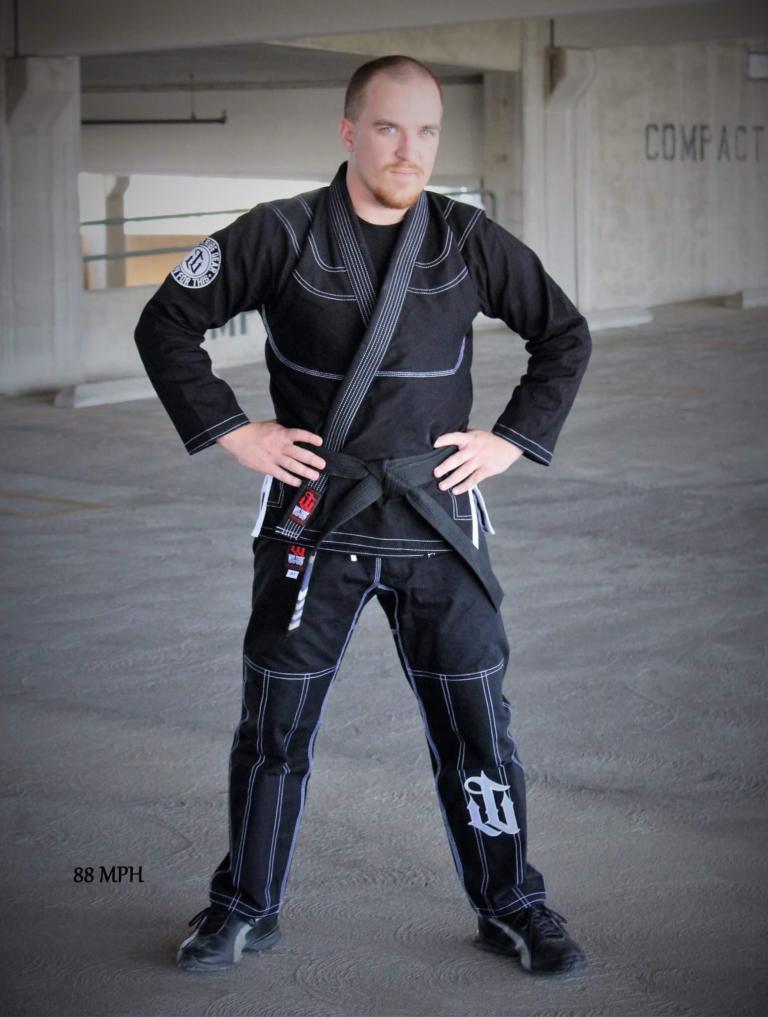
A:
<point x="380" y="315"/>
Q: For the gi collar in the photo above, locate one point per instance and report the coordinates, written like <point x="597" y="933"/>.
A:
<point x="354" y="250"/>
<point x="380" y="314"/>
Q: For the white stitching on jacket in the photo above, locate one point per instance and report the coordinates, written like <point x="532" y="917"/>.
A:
<point x="213" y="427"/>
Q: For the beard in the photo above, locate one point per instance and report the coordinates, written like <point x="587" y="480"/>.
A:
<point x="391" y="196"/>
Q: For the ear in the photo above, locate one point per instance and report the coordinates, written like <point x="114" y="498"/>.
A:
<point x="347" y="133"/>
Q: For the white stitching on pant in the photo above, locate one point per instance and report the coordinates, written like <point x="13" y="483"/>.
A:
<point x="313" y="736"/>
<point x="251" y="776"/>
<point x="231" y="901"/>
<point x="517" y="837"/>
<point x="272" y="846"/>
<point x="459" y="676"/>
<point x="409" y="678"/>
<point x="287" y="675"/>
<point x="280" y="791"/>
<point x="299" y="708"/>
<point x="460" y="771"/>
<point x="526" y="900"/>
<point x="234" y="904"/>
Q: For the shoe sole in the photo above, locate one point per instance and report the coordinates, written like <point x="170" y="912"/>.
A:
<point x="265" y="943"/>
<point x="575" y="967"/>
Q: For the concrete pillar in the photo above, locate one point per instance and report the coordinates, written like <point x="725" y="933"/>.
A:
<point x="115" y="209"/>
<point x="533" y="70"/>
<point x="556" y="161"/>
<point x="569" y="146"/>
<point x="95" y="238"/>
<point x="502" y="164"/>
<point x="40" y="264"/>
<point x="91" y="189"/>
<point x="101" y="197"/>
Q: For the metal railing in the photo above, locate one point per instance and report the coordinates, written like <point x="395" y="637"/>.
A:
<point x="121" y="220"/>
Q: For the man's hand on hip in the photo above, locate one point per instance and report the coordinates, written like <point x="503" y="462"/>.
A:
<point x="480" y="455"/>
<point x="268" y="447"/>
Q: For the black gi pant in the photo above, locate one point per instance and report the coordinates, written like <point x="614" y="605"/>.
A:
<point x="453" y="650"/>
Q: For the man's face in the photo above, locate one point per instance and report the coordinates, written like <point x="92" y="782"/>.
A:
<point x="393" y="144"/>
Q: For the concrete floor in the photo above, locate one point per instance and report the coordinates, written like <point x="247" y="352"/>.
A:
<point x="635" y="572"/>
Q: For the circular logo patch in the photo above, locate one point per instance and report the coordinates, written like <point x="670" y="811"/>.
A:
<point x="201" y="265"/>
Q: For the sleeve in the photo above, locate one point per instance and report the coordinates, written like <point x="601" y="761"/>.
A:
<point x="230" y="271"/>
<point x="513" y="285"/>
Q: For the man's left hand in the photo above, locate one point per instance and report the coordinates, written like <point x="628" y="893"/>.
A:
<point x="480" y="455"/>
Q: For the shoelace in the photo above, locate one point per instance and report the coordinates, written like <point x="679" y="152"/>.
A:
<point x="548" y="922"/>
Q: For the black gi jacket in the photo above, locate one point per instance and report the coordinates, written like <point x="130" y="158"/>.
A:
<point x="284" y="258"/>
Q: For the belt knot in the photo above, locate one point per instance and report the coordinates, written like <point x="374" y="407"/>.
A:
<point x="392" y="485"/>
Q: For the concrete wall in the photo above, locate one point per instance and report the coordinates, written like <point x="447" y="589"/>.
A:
<point x="679" y="173"/>
<point x="647" y="25"/>
<point x="272" y="133"/>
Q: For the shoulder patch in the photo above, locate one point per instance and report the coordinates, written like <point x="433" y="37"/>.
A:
<point x="201" y="265"/>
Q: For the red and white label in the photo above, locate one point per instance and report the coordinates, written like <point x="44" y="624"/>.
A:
<point x="295" y="560"/>
<point x="304" y="507"/>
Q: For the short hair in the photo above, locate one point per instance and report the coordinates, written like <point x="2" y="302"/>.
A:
<point x="397" y="66"/>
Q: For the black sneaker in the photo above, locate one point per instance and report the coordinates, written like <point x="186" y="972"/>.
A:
<point x="221" y="936"/>
<point x="535" y="935"/>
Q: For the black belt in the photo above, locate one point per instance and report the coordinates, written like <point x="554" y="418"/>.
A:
<point x="395" y="478"/>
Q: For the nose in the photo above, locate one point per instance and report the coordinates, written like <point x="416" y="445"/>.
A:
<point x="406" y="148"/>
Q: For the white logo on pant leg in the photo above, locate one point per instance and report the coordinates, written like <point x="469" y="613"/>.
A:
<point x="201" y="265"/>
<point x="495" y="822"/>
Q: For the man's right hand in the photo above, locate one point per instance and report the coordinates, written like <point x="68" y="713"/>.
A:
<point x="268" y="447"/>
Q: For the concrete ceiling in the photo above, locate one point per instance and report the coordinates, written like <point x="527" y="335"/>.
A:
<point x="457" y="53"/>
<point x="251" y="65"/>
<point x="49" y="27"/>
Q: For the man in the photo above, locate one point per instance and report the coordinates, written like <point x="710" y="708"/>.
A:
<point x="367" y="289"/>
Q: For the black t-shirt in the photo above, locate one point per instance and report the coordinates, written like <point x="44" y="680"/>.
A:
<point x="381" y="240"/>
